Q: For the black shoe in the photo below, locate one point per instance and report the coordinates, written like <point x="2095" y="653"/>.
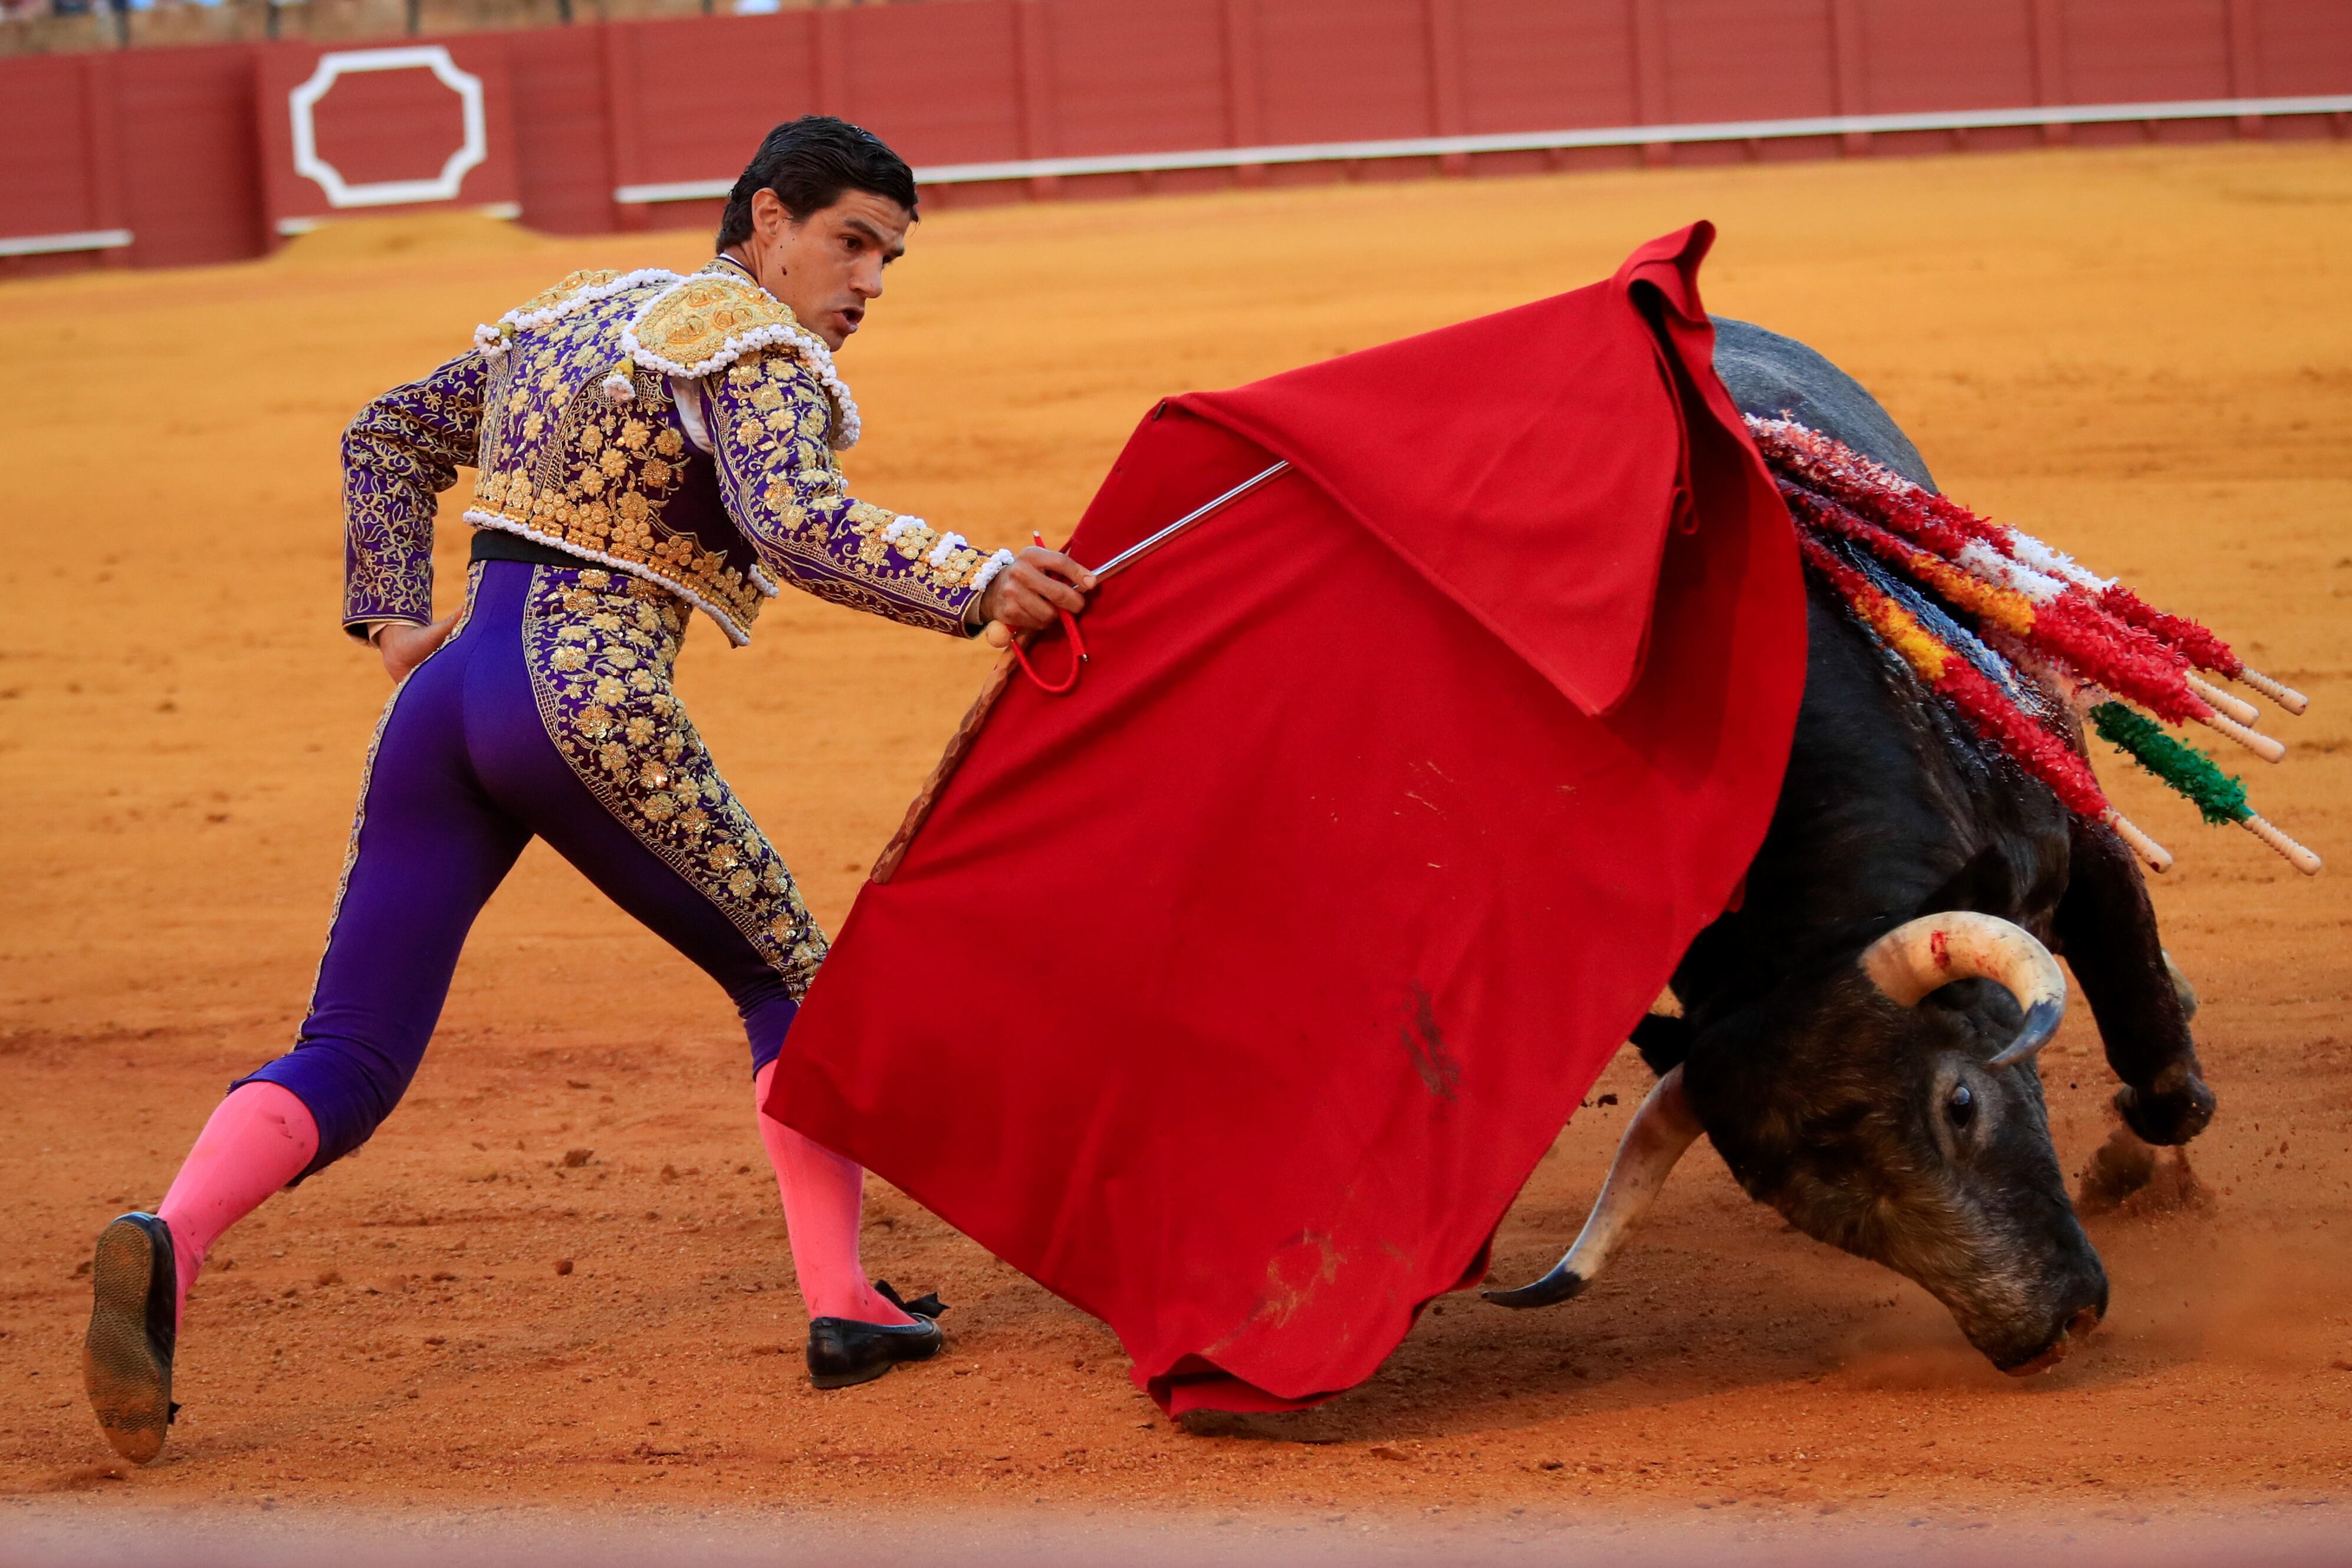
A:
<point x="842" y="1352"/>
<point x="126" y="1361"/>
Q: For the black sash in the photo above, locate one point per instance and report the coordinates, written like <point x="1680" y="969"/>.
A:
<point x="497" y="544"/>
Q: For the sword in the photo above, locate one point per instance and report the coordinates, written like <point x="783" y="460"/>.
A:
<point x="1136" y="552"/>
<point x="1000" y="636"/>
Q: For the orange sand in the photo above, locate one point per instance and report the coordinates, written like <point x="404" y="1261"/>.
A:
<point x="2141" y="354"/>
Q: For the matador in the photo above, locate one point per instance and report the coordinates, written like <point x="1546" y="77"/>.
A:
<point x="647" y="445"/>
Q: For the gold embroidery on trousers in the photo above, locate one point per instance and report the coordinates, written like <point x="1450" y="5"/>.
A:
<point x="601" y="647"/>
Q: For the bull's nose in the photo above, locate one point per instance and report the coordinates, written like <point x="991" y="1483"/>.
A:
<point x="2078" y="1327"/>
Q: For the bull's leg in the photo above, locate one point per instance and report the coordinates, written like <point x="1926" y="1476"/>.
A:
<point x="2106" y="927"/>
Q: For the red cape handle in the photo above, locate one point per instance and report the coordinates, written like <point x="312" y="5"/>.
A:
<point x="1003" y="636"/>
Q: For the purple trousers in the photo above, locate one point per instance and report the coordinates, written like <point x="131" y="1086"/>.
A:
<point x="549" y="711"/>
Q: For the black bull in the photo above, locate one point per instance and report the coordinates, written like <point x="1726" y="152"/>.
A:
<point x="1884" y="1128"/>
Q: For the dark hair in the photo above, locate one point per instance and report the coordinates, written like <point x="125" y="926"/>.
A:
<point x="808" y="162"/>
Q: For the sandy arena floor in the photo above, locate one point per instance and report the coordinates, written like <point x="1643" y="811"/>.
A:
<point x="2146" y="355"/>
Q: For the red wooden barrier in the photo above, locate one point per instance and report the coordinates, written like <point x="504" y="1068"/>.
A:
<point x="61" y="105"/>
<point x="185" y="140"/>
<point x="173" y="156"/>
<point x="564" y="141"/>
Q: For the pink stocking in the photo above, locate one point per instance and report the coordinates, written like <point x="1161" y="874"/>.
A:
<point x="260" y="1138"/>
<point x="824" y="1197"/>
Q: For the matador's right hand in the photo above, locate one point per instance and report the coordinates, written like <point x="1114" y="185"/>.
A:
<point x="1024" y="596"/>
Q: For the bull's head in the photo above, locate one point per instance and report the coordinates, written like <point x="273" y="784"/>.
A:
<point x="1887" y="1114"/>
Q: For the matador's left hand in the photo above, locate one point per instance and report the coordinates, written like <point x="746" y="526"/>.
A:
<point x="406" y="647"/>
<point x="1024" y="596"/>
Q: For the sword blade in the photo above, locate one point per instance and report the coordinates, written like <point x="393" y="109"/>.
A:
<point x="1136" y="552"/>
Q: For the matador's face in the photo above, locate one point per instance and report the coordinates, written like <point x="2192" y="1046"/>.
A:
<point x="827" y="266"/>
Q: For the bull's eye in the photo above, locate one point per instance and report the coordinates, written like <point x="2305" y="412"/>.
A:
<point x="1960" y="1105"/>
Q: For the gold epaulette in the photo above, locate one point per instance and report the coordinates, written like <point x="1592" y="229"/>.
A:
<point x="705" y="322"/>
<point x="577" y="291"/>
<point x="573" y="283"/>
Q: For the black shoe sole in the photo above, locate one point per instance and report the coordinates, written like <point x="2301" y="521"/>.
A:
<point x="852" y="1379"/>
<point x="130" y="1387"/>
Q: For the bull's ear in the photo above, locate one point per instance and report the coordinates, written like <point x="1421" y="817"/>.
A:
<point x="1664" y="1041"/>
<point x="1737" y="1074"/>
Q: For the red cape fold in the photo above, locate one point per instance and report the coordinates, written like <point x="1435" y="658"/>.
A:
<point x="1385" y="807"/>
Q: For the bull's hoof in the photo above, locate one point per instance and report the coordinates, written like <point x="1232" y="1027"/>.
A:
<point x="1561" y="1285"/>
<point x="2166" y="1115"/>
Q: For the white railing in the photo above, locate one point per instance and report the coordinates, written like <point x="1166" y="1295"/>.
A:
<point x="52" y="245"/>
<point x="1547" y="141"/>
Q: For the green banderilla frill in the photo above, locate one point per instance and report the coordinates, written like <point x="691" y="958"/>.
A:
<point x="2188" y="771"/>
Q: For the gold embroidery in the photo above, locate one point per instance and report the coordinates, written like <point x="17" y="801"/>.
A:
<point x="591" y="472"/>
<point x="573" y="282"/>
<point x="599" y="648"/>
<point x="564" y="462"/>
<point x="719" y="318"/>
<point x="695" y="321"/>
<point x="402" y="450"/>
<point x="789" y="495"/>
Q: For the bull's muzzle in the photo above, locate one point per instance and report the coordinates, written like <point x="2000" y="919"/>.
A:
<point x="2078" y="1327"/>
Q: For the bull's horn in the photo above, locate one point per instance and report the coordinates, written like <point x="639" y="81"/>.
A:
<point x="1661" y="1130"/>
<point x="1919" y="956"/>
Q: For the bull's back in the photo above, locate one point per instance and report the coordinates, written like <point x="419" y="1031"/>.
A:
<point x="1888" y="805"/>
<point x="1772" y="376"/>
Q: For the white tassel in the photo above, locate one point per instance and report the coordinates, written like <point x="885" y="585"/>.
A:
<point x="619" y="387"/>
<point x="989" y="568"/>
<point x="2002" y="572"/>
<point x="2056" y="564"/>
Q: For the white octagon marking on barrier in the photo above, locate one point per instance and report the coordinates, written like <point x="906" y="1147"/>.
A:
<point x="431" y="57"/>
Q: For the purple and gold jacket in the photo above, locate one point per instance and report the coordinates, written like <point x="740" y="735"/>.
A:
<point x="681" y="429"/>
